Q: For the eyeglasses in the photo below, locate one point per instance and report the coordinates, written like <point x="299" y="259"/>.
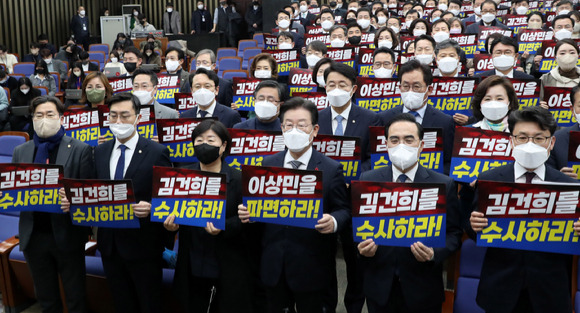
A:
<point x="205" y="63"/>
<point x="124" y="117"/>
<point x="49" y="115"/>
<point x="300" y="126"/>
<point x="497" y="53"/>
<point x="383" y="64"/>
<point x="539" y="140"/>
<point x="415" y="87"/>
<point x="408" y="140"/>
<point x="269" y="99"/>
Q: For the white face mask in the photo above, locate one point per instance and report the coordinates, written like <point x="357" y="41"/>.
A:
<point x="144" y="96"/>
<point x="171" y="65"/>
<point x="303" y="8"/>
<point x="382" y="20"/>
<point x="338" y="97"/>
<point x="312" y="60"/>
<point x="205" y="67"/>
<point x="392" y="5"/>
<point x="135" y="13"/>
<point x="320" y="80"/>
<point x="114" y="60"/>
<point x="265" y="110"/>
<point x="440" y="36"/>
<point x="337" y="43"/>
<point x="503" y="62"/>
<point x="455" y="31"/>
<point x="385" y="43"/>
<point x="296" y="140"/>
<point x="122" y="131"/>
<point x="567" y="62"/>
<point x="419" y="32"/>
<point x="395" y="29"/>
<point x="442" y="7"/>
<point x="285" y="46"/>
<point x="521" y="10"/>
<point x="169" y="10"/>
<point x="477" y="11"/>
<point x="25" y="91"/>
<point x="494" y="110"/>
<point x="203" y="97"/>
<point x="46" y="127"/>
<point x="48" y="61"/>
<point x="284" y="24"/>
<point x="454" y="11"/>
<point x="403" y="156"/>
<point x="383" y="72"/>
<point x="83" y="12"/>
<point x="413" y="100"/>
<point x="424" y="58"/>
<point x="530" y="155"/>
<point x="326" y="25"/>
<point x="563" y="34"/>
<point x="200" y="7"/>
<point x="563" y="12"/>
<point x="262" y="74"/>
<point x="488" y="17"/>
<point x="77" y="73"/>
<point x="364" y="23"/>
<point x="448" y="65"/>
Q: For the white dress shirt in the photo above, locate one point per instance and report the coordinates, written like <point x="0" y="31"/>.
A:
<point x="509" y="75"/>
<point x="520" y="177"/>
<point x="209" y="110"/>
<point x="131" y="146"/>
<point x="421" y="112"/>
<point x="410" y="173"/>
<point x="344" y="114"/>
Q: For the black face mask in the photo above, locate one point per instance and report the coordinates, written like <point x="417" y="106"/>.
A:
<point x="206" y="153"/>
<point x="130" y="66"/>
<point x="350" y="20"/>
<point x="363" y="2"/>
<point x="354" y="40"/>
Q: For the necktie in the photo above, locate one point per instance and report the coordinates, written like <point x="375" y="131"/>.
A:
<point x="529" y="177"/>
<point x="339" y="130"/>
<point x="295" y="164"/>
<point x="402" y="178"/>
<point x="202" y="113"/>
<point x="119" y="171"/>
<point x="414" y="113"/>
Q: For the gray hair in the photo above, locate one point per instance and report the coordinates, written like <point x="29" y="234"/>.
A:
<point x="335" y="27"/>
<point x="207" y="51"/>
<point x="447" y="43"/>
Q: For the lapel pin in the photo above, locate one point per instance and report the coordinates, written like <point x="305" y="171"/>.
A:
<point x="140" y="151"/>
<point x="353" y="121"/>
<point x="69" y="146"/>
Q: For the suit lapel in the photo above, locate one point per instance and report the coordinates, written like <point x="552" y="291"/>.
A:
<point x="387" y="173"/>
<point x="28" y="153"/>
<point x="64" y="151"/>
<point x="315" y="160"/>
<point x="105" y="162"/>
<point x="427" y="119"/>
<point x="326" y="121"/>
<point x="351" y="124"/>
<point x="421" y="176"/>
<point x="139" y="155"/>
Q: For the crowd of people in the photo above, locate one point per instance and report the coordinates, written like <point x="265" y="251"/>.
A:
<point x="261" y="267"/>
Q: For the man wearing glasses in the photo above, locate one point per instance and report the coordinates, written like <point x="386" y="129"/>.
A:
<point x="415" y="85"/>
<point x="519" y="280"/>
<point x="268" y="96"/>
<point x="145" y="88"/>
<point x="488" y="18"/>
<point x="132" y="258"/>
<point x="206" y="59"/>
<point x="505" y="55"/>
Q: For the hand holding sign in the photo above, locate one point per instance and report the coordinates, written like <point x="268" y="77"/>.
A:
<point x="64" y="203"/>
<point x="325" y="225"/>
<point x="569" y="172"/>
<point x="367" y="248"/>
<point x="243" y="213"/>
<point x="142" y="209"/>
<point x="210" y="229"/>
<point x="478" y="221"/>
<point x="169" y="223"/>
<point x="421" y="252"/>
<point x="577" y="227"/>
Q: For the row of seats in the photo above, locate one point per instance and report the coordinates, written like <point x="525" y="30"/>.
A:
<point x="9" y="140"/>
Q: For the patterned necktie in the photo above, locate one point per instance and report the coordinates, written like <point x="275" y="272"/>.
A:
<point x="529" y="177"/>
<point x="119" y="171"/>
<point x="402" y="178"/>
<point x="339" y="130"/>
<point x="202" y="113"/>
<point x="295" y="164"/>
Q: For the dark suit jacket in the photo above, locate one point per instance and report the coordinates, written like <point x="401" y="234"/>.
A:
<point x="474" y="28"/>
<point x="254" y="17"/>
<point x="421" y="282"/>
<point x="559" y="155"/>
<point x="93" y="67"/>
<point x="357" y="125"/>
<point x="226" y="93"/>
<point x="77" y="159"/>
<point x="224" y="114"/>
<point x="517" y="74"/>
<point x="146" y="241"/>
<point x="506" y="272"/>
<point x="254" y="123"/>
<point x="303" y="255"/>
<point x="197" y="24"/>
<point x="435" y="119"/>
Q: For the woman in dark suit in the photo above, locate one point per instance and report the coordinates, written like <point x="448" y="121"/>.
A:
<point x="213" y="267"/>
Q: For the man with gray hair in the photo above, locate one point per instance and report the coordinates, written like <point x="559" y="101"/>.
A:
<point x="206" y="59"/>
<point x="447" y="54"/>
<point x="338" y="36"/>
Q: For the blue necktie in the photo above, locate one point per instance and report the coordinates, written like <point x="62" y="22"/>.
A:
<point x="202" y="113"/>
<point x="414" y="113"/>
<point x="339" y="130"/>
<point x="295" y="164"/>
<point x="402" y="178"/>
<point x="119" y="171"/>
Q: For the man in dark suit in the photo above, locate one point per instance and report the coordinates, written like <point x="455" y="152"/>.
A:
<point x="416" y="87"/>
<point x="206" y="58"/>
<point x="304" y="14"/>
<point x="268" y="97"/>
<point x="205" y="88"/>
<point x="559" y="156"/>
<point x="201" y="21"/>
<point x="52" y="246"/>
<point x="505" y="52"/>
<point x="283" y="21"/>
<point x="132" y="258"/>
<point x="294" y="265"/>
<point x="398" y="279"/>
<point x="79" y="27"/>
<point x="254" y="18"/>
<point x="518" y="280"/>
<point x="488" y="18"/>
<point x="87" y="64"/>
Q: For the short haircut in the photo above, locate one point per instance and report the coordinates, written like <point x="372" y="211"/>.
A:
<point x="353" y="25"/>
<point x="283" y="12"/>
<point x="268" y="57"/>
<point x="180" y="54"/>
<point x="42" y="36"/>
<point x="104" y="81"/>
<point x="319" y="64"/>
<point x="535" y="114"/>
<point x="484" y="86"/>
<point x="212" y="56"/>
<point x="364" y="9"/>
<point x="317" y="45"/>
<point x="44" y="99"/>
<point x="493" y="37"/>
<point x="573" y="93"/>
<point x="415" y="65"/>
<point x="326" y="11"/>
<point x="488" y="2"/>
<point x="395" y="18"/>
<point x="440" y="21"/>
<point x="448" y="43"/>
<point x="568" y="41"/>
<point x="426" y="37"/>
<point x="83" y="55"/>
<point x="34" y="45"/>
<point x="270" y="84"/>
<point x="2" y="72"/>
<point x="335" y="27"/>
<point x="2" y="47"/>
<point x="412" y="12"/>
<point x="420" y="20"/>
<point x="520" y="1"/>
<point x="457" y="2"/>
<point x="286" y="35"/>
<point x="150" y="73"/>
<point x="210" y="74"/>
<point x="218" y="128"/>
<point x="343" y="69"/>
<point x="505" y="40"/>
<point x="134" y="50"/>
<point x="562" y="17"/>
<point x="418" y="5"/>
<point x="453" y="19"/>
<point x="125" y="96"/>
<point x="299" y="103"/>
<point x="45" y="52"/>
<point x="385" y="50"/>
<point x="565" y="2"/>
<point x="404" y="117"/>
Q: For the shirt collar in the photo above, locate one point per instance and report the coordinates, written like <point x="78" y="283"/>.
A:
<point x="210" y="109"/>
<point x="131" y="144"/>
<point x="344" y="113"/>
<point x="421" y="111"/>
<point x="519" y="171"/>
<point x="304" y="158"/>
<point x="509" y="75"/>
<point x="410" y="173"/>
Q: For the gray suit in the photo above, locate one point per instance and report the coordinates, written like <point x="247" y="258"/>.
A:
<point x="59" y="67"/>
<point x="163" y="112"/>
<point x="58" y="250"/>
<point x="175" y="22"/>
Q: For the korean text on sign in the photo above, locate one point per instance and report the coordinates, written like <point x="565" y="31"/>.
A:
<point x="250" y="146"/>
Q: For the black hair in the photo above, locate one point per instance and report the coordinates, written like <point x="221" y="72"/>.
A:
<point x="364" y="9"/>
<point x="326" y="11"/>
<point x="34" y="45"/>
<point x="317" y="45"/>
<point x="180" y="54"/>
<point x="562" y="17"/>
<point x="44" y="99"/>
<point x="535" y="114"/>
<point x="42" y="36"/>
<point x="269" y="83"/>
<point x="385" y="50"/>
<point x="320" y="63"/>
<point x="24" y="81"/>
<point x="83" y="55"/>
<point x="538" y="14"/>
<point x="343" y="69"/>
<point x="425" y="37"/>
<point x="125" y="96"/>
<point x="134" y="50"/>
<point x="41" y="63"/>
<point x="285" y="34"/>
<point x="283" y="12"/>
<point x="298" y="103"/>
<point x="150" y="73"/>
<point x="2" y="47"/>
<point x="457" y="2"/>
<point x="568" y="41"/>
<point x="520" y="1"/>
<point x="404" y="117"/>
<point x="2" y="72"/>
<point x="505" y="40"/>
<point x="573" y="93"/>
<point x="488" y="1"/>
<point x="218" y="128"/>
<point x="493" y="36"/>
<point x="210" y="74"/>
<point x="415" y="65"/>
